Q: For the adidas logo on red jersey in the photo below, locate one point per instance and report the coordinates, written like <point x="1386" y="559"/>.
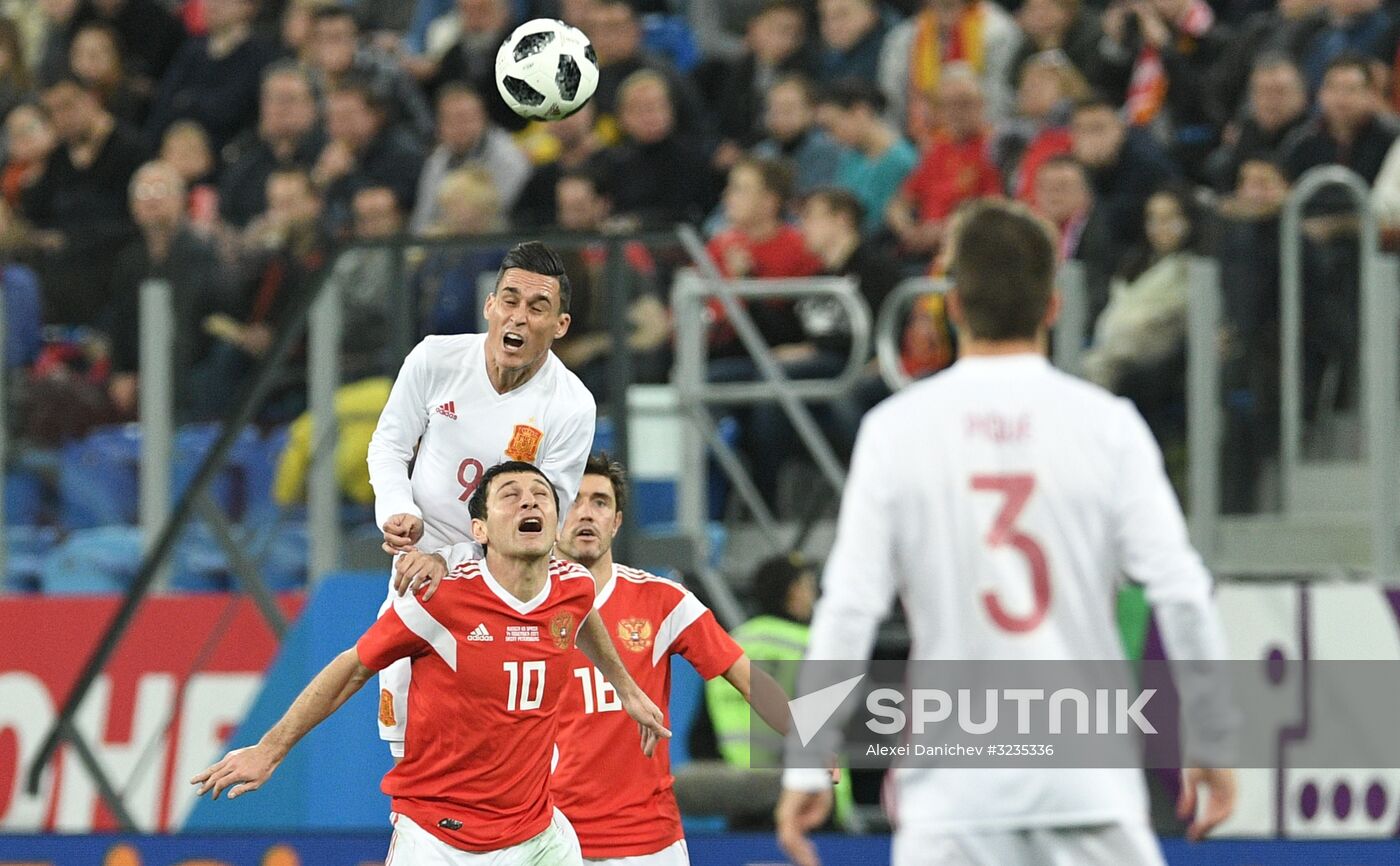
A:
<point x="448" y="410"/>
<point x="480" y="633"/>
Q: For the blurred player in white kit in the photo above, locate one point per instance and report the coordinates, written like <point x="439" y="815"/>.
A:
<point x="463" y="403"/>
<point x="1004" y="501"/>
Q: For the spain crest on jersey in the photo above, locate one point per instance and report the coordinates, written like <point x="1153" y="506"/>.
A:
<point x="524" y="443"/>
<point x="635" y="634"/>
<point x="561" y="628"/>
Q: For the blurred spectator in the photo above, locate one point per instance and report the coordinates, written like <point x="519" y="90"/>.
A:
<point x="659" y="175"/>
<point x="29" y="139"/>
<point x="720" y="26"/>
<point x="363" y="149"/>
<point x="1249" y="273"/>
<point x="286" y="136"/>
<point x="295" y="31"/>
<point x="1349" y="129"/>
<point x="775" y="44"/>
<point x="1156" y="56"/>
<point x="790" y="122"/>
<point x="877" y="158"/>
<point x="473" y="33"/>
<point x="1046" y="94"/>
<point x="557" y="148"/>
<point x="852" y="37"/>
<point x="185" y="148"/>
<point x="976" y="32"/>
<point x="1283" y="30"/>
<point x="583" y="206"/>
<point x="16" y="82"/>
<point x="31" y="22"/>
<point x="419" y="55"/>
<point x="1063" y="196"/>
<point x="1139" y="338"/>
<point x="148" y="36"/>
<point x="616" y="34"/>
<point x="79" y="203"/>
<point x="466" y="137"/>
<point x="1354" y="27"/>
<point x="23" y="334"/>
<point x="758" y="241"/>
<point x="283" y="250"/>
<point x="337" y="55"/>
<point x="214" y="79"/>
<point x="167" y="250"/>
<point x="1057" y="25"/>
<point x="52" y="56"/>
<point x="95" y="57"/>
<point x="785" y="591"/>
<point x="365" y="278"/>
<point x="1277" y="105"/>
<point x="384" y="18"/>
<point x="956" y="166"/>
<point x="445" y="285"/>
<point x="1124" y="165"/>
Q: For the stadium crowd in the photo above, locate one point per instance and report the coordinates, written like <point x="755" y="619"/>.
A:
<point x="230" y="146"/>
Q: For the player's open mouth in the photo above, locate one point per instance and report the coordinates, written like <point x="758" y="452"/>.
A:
<point x="513" y="341"/>
<point x="532" y="525"/>
<point x="586" y="532"/>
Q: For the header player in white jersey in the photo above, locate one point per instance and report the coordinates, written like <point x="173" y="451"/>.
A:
<point x="1004" y="501"/>
<point x="463" y="403"/>
<point x="628" y="816"/>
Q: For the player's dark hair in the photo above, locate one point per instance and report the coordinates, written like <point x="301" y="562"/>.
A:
<point x="772" y="581"/>
<point x="849" y="93"/>
<point x="602" y="464"/>
<point x="537" y="258"/>
<point x="1003" y="269"/>
<point x="841" y="202"/>
<point x="476" y="506"/>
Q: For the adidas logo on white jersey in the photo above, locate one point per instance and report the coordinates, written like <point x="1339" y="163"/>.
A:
<point x="480" y="633"/>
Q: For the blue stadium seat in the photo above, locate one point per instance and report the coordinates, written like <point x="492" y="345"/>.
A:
<point x="97" y="478"/>
<point x="27" y="549"/>
<point x="604" y="435"/>
<point x="279" y="549"/>
<point x="100" y="560"/>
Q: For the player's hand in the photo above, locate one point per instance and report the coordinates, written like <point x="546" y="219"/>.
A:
<point x="799" y="813"/>
<point x="648" y="717"/>
<point x="415" y="570"/>
<point x="241" y="771"/>
<point x="401" y="532"/>
<point x="1219" y="800"/>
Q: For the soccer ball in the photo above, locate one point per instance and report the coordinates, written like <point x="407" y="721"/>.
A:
<point x="546" y="70"/>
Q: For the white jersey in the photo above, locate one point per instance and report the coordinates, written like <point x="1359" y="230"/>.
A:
<point x="1004" y="502"/>
<point x="444" y="405"/>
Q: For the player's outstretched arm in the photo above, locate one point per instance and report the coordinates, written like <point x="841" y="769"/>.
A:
<point x="244" y="770"/>
<point x="594" y="641"/>
<point x="762" y="692"/>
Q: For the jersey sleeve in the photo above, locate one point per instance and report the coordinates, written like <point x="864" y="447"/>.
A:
<point x="400" y="426"/>
<point x="565" y="459"/>
<point x="388" y="640"/>
<point x="707" y="646"/>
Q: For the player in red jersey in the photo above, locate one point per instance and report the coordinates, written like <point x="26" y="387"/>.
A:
<point x="492" y="655"/>
<point x="628" y="814"/>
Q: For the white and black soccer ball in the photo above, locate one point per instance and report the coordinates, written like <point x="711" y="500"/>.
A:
<point x="546" y="70"/>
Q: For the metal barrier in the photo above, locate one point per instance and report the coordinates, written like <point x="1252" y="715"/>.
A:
<point x="889" y="326"/>
<point x="688" y="297"/>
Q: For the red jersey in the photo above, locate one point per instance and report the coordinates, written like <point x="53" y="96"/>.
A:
<point x="950" y="173"/>
<point x="619" y="800"/>
<point x="784" y="254"/>
<point x="483" y="704"/>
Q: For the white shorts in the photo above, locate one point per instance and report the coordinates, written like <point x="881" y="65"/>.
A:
<point x="675" y="854"/>
<point x="1120" y="844"/>
<point x="411" y="845"/>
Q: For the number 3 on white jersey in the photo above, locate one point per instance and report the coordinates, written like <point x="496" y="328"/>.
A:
<point x="523" y="677"/>
<point x="1017" y="489"/>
